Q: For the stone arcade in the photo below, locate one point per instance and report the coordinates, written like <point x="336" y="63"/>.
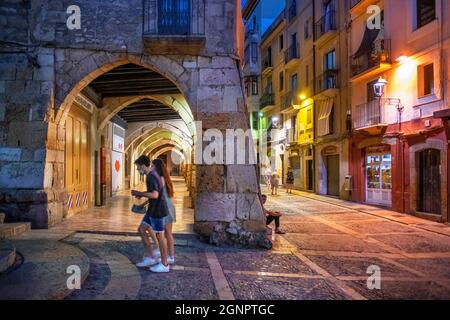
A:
<point x="44" y="67"/>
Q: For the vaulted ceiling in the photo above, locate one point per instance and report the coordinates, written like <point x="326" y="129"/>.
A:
<point x="134" y="80"/>
<point x="148" y="110"/>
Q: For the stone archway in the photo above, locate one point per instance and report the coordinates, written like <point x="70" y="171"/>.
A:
<point x="227" y="202"/>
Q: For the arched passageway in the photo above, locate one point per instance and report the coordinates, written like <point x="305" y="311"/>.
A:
<point x="109" y="107"/>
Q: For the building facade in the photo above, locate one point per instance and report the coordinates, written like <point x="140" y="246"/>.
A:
<point x="399" y="147"/>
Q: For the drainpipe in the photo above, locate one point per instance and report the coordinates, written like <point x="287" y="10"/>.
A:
<point x="314" y="89"/>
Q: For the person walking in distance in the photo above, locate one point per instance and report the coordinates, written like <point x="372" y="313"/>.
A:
<point x="153" y="220"/>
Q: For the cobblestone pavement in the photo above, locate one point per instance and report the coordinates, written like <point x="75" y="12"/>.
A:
<point x="329" y="246"/>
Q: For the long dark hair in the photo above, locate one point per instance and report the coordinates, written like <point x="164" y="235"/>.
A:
<point x="161" y="169"/>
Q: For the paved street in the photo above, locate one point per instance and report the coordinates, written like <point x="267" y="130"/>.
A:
<point x="325" y="254"/>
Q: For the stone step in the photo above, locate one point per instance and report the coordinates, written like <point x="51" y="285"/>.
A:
<point x="45" y="270"/>
<point x="2" y="217"/>
<point x="7" y="255"/>
<point x="8" y="230"/>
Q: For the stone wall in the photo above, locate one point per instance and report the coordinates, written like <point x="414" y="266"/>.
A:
<point x="55" y="64"/>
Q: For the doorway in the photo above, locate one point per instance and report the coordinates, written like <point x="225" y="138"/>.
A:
<point x="379" y="176"/>
<point x="77" y="171"/>
<point x="429" y="184"/>
<point x="310" y="175"/>
<point x="332" y="165"/>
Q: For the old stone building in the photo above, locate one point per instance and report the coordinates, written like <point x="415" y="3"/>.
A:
<point x="63" y="84"/>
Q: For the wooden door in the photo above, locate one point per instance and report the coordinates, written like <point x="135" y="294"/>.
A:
<point x="332" y="163"/>
<point x="429" y="186"/>
<point x="77" y="160"/>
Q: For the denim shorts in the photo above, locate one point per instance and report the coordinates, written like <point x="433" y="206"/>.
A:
<point x="156" y="224"/>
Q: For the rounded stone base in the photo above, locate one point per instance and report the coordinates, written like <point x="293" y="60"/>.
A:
<point x="248" y="234"/>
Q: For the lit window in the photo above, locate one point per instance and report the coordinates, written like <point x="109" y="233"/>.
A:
<point x="426" y="80"/>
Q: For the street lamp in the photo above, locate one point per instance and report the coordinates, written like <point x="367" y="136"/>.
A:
<point x="379" y="88"/>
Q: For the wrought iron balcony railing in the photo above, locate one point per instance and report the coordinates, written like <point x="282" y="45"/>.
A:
<point x="267" y="99"/>
<point x="291" y="53"/>
<point x="326" y="24"/>
<point x="368" y="114"/>
<point x="288" y="99"/>
<point x="327" y="80"/>
<point x="174" y="17"/>
<point x="378" y="52"/>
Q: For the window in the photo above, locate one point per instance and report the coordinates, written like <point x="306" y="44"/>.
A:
<point x="281" y="42"/>
<point x="254" y="52"/>
<point x="255" y="120"/>
<point x="255" y="86"/>
<point x="330" y="61"/>
<point x="309" y="116"/>
<point x="281" y="81"/>
<point x="294" y="83"/>
<point x="426" y="80"/>
<point x="306" y="29"/>
<point x="426" y="12"/>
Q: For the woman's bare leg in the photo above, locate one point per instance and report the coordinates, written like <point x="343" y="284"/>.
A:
<point x="170" y="240"/>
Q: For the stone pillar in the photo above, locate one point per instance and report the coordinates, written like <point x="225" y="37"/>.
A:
<point x="30" y="173"/>
<point x="227" y="207"/>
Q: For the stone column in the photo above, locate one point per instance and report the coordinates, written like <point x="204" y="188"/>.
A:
<point x="227" y="206"/>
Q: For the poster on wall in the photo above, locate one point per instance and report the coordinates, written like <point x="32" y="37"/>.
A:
<point x="117" y="171"/>
<point x="118" y="139"/>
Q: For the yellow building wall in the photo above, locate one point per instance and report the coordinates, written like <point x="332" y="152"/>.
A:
<point x="305" y="122"/>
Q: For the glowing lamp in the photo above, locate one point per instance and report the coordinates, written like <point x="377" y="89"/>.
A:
<point x="379" y="87"/>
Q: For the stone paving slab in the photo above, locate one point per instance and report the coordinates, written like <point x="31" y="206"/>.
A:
<point x="308" y="228"/>
<point x="332" y="243"/>
<point x="357" y="266"/>
<point x="416" y="242"/>
<point x="378" y="227"/>
<point x="402" y="290"/>
<point x="247" y="287"/>
<point x="263" y="262"/>
<point x="437" y="267"/>
<point x="177" y="285"/>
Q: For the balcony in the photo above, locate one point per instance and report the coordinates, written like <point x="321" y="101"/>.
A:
<point x="327" y="81"/>
<point x="267" y="66"/>
<point x="292" y="56"/>
<point x="287" y="100"/>
<point x="174" y="26"/>
<point x="375" y="59"/>
<point x="369" y="118"/>
<point x="267" y="99"/>
<point x="291" y="136"/>
<point x="327" y="25"/>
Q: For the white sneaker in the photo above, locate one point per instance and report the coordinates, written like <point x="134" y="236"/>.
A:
<point x="147" y="262"/>
<point x="159" y="268"/>
<point x="156" y="254"/>
<point x="171" y="260"/>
